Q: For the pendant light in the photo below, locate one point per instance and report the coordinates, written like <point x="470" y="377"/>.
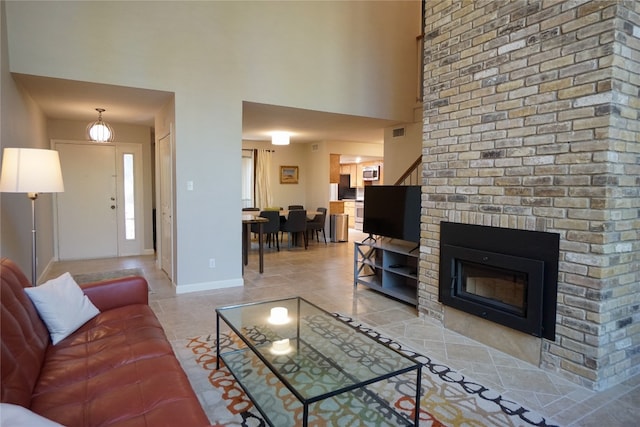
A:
<point x="100" y="131"/>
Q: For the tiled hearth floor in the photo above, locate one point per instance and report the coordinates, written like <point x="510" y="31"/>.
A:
<point x="324" y="275"/>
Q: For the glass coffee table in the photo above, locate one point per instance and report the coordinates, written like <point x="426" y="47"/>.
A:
<point x="301" y="365"/>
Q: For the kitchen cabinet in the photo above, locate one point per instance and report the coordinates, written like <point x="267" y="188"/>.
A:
<point x="359" y="181"/>
<point x="349" y="169"/>
<point x="350" y="209"/>
<point x="354" y="170"/>
<point x="336" y="207"/>
<point x="334" y="168"/>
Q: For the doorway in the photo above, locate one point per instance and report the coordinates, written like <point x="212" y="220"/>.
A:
<point x="99" y="215"/>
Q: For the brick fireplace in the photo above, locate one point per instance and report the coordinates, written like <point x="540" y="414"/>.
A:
<point x="532" y="122"/>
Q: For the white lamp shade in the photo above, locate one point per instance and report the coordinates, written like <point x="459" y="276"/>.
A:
<point x="30" y="170"/>
<point x="280" y="138"/>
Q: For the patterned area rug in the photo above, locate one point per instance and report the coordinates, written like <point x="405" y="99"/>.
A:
<point x="106" y="275"/>
<point x="447" y="398"/>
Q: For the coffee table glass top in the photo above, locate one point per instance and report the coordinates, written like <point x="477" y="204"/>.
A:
<point x="311" y="351"/>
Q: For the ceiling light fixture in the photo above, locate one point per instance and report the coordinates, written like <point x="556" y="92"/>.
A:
<point x="280" y="138"/>
<point x="100" y="131"/>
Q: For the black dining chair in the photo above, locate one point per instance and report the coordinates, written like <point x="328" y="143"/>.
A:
<point x="316" y="224"/>
<point x="271" y="228"/>
<point x="283" y="219"/>
<point x="295" y="225"/>
<point x="250" y="209"/>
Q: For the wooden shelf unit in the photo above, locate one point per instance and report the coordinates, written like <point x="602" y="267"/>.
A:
<point x="389" y="266"/>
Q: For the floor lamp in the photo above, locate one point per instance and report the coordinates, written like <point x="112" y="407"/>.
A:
<point x="31" y="171"/>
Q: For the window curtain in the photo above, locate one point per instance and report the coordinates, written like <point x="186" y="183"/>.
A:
<point x="264" y="198"/>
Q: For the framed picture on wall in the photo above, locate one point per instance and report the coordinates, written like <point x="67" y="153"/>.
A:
<point x="288" y="174"/>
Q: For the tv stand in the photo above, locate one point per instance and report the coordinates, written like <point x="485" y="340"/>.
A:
<point x="388" y="266"/>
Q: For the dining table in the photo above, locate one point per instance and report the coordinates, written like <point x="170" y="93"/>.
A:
<point x="247" y="220"/>
<point x="310" y="214"/>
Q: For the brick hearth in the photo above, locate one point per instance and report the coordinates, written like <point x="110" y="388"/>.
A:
<point x="531" y="121"/>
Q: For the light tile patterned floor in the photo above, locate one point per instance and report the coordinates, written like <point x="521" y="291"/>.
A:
<point x="324" y="275"/>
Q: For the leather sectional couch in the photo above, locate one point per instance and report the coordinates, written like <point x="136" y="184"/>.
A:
<point x="118" y="369"/>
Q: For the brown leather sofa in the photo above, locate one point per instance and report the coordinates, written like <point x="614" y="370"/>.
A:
<point x="118" y="369"/>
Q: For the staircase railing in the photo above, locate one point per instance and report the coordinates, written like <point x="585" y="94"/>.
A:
<point x="413" y="175"/>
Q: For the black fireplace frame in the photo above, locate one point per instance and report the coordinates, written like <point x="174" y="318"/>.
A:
<point x="532" y="252"/>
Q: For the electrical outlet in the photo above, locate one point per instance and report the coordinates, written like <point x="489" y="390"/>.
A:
<point x="212" y="263"/>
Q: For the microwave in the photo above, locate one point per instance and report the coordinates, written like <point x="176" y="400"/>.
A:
<point x="370" y="173"/>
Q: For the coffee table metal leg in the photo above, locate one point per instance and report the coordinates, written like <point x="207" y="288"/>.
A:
<point x="217" y="341"/>
<point x="305" y="415"/>
<point x="418" y="389"/>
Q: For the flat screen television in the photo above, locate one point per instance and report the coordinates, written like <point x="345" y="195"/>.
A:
<point x="392" y="211"/>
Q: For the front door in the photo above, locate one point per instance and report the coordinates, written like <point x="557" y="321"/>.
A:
<point x="87" y="209"/>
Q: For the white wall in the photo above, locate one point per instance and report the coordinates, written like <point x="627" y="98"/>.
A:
<point x="22" y="124"/>
<point x="355" y="58"/>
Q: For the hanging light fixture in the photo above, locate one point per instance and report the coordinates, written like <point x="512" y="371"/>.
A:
<point x="100" y="131"/>
<point x="280" y="138"/>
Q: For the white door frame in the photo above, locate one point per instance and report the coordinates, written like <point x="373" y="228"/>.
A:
<point x="165" y="212"/>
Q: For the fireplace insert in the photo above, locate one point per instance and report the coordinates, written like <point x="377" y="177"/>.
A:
<point x="507" y="276"/>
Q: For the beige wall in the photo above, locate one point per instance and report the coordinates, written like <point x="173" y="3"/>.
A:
<point x="355" y="58"/>
<point x="22" y="124"/>
<point x="401" y="152"/>
<point x="289" y="155"/>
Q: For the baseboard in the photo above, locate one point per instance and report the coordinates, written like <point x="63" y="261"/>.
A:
<point x="208" y="286"/>
<point x="148" y="252"/>
<point x="45" y="272"/>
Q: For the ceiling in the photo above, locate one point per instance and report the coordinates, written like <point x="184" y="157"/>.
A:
<point x="76" y="100"/>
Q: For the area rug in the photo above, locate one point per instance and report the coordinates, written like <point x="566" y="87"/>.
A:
<point x="106" y="275"/>
<point x="447" y="398"/>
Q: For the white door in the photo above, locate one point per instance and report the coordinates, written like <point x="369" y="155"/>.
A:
<point x="87" y="209"/>
<point x="166" y="204"/>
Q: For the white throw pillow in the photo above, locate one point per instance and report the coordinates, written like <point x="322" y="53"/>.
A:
<point x="17" y="416"/>
<point x="62" y="306"/>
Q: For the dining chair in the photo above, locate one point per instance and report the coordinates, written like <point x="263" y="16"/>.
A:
<point x="283" y="219"/>
<point x="250" y="209"/>
<point x="271" y="228"/>
<point x="316" y="224"/>
<point x="295" y="225"/>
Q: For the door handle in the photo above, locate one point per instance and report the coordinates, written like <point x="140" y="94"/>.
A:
<point x="113" y="206"/>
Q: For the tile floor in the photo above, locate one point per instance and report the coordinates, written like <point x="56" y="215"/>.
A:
<point x="324" y="275"/>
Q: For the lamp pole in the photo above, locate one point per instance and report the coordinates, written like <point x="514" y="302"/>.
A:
<point x="33" y="197"/>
